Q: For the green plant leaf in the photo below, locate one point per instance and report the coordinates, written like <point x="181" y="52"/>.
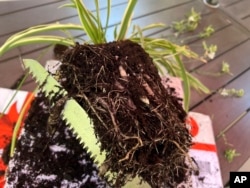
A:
<point x="230" y="154"/>
<point x="19" y="123"/>
<point x="90" y="26"/>
<point x="190" y="23"/>
<point x="108" y="15"/>
<point x="71" y="5"/>
<point x="40" y="39"/>
<point x="15" y="39"/>
<point x="167" y="64"/>
<point x="186" y="84"/>
<point x="168" y="55"/>
<point x="194" y="82"/>
<point x="86" y="21"/>
<point x="207" y="32"/>
<point x="137" y="30"/>
<point x="125" y="23"/>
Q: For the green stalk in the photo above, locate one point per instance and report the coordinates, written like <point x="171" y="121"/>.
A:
<point x="19" y="123"/>
<point x="127" y="16"/>
<point x="44" y="28"/>
<point x="39" y="39"/>
<point x="197" y="85"/>
<point x="99" y="25"/>
<point x="168" y="55"/>
<point x="148" y="27"/>
<point x="34" y="30"/>
<point x="107" y="19"/>
<point x="89" y="26"/>
<point x="85" y="20"/>
<point x="167" y="65"/>
<point x="186" y="85"/>
<point x="194" y="82"/>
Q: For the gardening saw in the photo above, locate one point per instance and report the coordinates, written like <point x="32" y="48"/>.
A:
<point x="81" y="127"/>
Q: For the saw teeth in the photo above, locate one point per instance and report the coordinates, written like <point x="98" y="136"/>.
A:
<point x="33" y="76"/>
<point x="42" y="76"/>
<point x="86" y="148"/>
<point x="96" y="156"/>
<point x="74" y="116"/>
<point x="72" y="111"/>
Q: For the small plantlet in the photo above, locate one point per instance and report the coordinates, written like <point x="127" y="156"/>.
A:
<point x="209" y="50"/>
<point x="230" y="153"/>
<point x="207" y="32"/>
<point x="225" y="69"/>
<point x="193" y="19"/>
<point x="232" y="92"/>
<point x="179" y="26"/>
<point x="190" y="23"/>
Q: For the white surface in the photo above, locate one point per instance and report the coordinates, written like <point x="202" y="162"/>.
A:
<point x="7" y="94"/>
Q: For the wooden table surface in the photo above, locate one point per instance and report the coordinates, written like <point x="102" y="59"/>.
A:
<point x="231" y="22"/>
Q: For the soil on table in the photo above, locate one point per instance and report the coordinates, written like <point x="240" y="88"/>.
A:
<point x="139" y="123"/>
<point x="50" y="158"/>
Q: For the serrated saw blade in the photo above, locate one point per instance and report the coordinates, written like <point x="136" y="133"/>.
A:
<point x="81" y="126"/>
<point x="42" y="77"/>
<point x="74" y="115"/>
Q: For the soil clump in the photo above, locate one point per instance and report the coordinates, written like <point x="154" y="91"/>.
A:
<point x="139" y="123"/>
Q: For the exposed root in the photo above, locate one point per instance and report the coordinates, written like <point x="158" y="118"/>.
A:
<point x="92" y="108"/>
<point x="139" y="123"/>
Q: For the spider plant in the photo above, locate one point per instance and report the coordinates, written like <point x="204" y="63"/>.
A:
<point x="162" y="51"/>
<point x="166" y="55"/>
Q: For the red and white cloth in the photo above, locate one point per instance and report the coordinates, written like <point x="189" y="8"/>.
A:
<point x="9" y="119"/>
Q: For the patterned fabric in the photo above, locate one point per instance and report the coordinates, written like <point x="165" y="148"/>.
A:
<point x="7" y="124"/>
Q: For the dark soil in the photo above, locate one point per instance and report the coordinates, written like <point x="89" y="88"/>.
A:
<point x="50" y="159"/>
<point x="139" y="122"/>
<point x="59" y="51"/>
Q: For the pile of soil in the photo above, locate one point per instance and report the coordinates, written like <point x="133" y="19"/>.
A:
<point x="139" y="123"/>
<point x="46" y="158"/>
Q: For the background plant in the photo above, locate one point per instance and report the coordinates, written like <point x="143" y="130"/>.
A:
<point x="209" y="50"/>
<point x="225" y="69"/>
<point x="189" y="23"/>
<point x="230" y="153"/>
<point x="232" y="92"/>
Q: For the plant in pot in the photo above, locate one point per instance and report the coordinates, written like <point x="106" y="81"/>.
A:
<point x="125" y="123"/>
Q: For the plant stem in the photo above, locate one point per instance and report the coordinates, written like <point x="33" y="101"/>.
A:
<point x="19" y="122"/>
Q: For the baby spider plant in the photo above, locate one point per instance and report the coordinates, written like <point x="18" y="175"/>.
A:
<point x="230" y="153"/>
